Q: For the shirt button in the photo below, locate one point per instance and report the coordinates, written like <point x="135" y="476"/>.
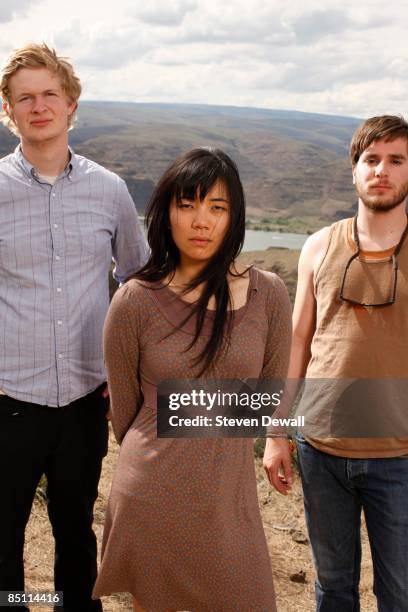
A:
<point x="59" y="322"/>
<point x="53" y="195"/>
<point x="59" y="289"/>
<point x="60" y="355"/>
<point x="57" y="257"/>
<point x="56" y="225"/>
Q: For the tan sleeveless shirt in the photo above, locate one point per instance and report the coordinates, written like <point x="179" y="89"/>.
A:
<point x="358" y="342"/>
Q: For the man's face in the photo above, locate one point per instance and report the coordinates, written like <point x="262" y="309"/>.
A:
<point x="381" y="174"/>
<point x="38" y="105"/>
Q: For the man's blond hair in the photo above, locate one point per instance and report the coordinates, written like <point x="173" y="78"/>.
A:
<point x="36" y="55"/>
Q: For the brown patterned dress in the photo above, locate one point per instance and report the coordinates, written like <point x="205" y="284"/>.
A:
<point x="183" y="529"/>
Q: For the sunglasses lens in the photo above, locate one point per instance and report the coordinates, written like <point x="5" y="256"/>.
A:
<point x="369" y="282"/>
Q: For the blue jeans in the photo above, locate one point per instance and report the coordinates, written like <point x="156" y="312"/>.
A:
<point x="335" y="491"/>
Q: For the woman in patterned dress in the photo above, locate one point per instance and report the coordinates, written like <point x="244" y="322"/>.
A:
<point x="183" y="529"/>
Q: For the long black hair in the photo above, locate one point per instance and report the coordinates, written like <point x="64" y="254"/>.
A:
<point x="196" y="172"/>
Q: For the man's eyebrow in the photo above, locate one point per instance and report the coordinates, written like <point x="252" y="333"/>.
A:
<point x="30" y="93"/>
<point x="393" y="155"/>
<point x="219" y="200"/>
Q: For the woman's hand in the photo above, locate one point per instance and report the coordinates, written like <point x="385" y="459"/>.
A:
<point x="277" y="462"/>
<point x="105" y="395"/>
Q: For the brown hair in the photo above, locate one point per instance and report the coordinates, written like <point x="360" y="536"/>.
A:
<point x="39" y="56"/>
<point x="384" y="127"/>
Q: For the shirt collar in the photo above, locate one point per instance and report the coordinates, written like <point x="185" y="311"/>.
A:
<point x="70" y="170"/>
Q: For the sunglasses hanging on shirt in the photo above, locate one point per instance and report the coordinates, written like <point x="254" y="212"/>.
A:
<point x="370" y="282"/>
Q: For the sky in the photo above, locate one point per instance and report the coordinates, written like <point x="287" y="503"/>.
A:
<point x="335" y="57"/>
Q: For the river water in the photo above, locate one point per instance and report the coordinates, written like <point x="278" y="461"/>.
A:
<point x="258" y="240"/>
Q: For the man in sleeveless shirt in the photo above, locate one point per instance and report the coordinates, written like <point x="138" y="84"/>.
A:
<point x="350" y="323"/>
<point x="62" y="220"/>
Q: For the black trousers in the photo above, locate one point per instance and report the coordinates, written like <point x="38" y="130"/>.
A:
<point x="67" y="445"/>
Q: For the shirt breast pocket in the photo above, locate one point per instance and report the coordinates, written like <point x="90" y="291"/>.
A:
<point x="79" y="244"/>
<point x="85" y="231"/>
<point x="89" y="243"/>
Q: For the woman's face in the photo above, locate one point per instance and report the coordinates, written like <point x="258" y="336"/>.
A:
<point x="199" y="227"/>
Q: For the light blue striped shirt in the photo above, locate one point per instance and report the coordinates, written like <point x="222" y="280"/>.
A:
<point x="56" y="247"/>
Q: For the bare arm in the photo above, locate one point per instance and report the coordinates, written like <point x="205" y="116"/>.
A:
<point x="277" y="459"/>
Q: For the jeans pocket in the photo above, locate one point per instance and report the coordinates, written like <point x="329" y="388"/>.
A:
<point x="10" y="408"/>
<point x="299" y="438"/>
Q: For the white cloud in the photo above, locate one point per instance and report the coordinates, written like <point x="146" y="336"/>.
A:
<point x="314" y="25"/>
<point x="10" y="9"/>
<point x="345" y="58"/>
<point x="165" y="12"/>
<point x="103" y="47"/>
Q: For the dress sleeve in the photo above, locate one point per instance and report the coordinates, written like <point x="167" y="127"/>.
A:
<point x="121" y="354"/>
<point x="279" y="336"/>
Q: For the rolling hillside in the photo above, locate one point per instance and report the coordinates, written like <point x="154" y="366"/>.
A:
<point x="294" y="165"/>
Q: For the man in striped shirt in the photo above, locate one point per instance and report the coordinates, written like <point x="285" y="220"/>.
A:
<point x="62" y="220"/>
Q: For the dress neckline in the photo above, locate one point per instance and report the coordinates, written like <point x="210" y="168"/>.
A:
<point x="175" y="309"/>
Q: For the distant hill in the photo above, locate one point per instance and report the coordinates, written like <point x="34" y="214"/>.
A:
<point x="294" y="165"/>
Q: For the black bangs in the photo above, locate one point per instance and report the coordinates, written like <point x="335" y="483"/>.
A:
<point x="198" y="176"/>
